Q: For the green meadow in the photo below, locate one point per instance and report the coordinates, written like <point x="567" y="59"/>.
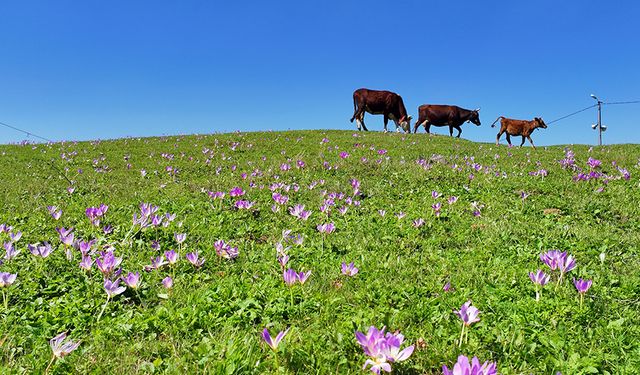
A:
<point x="389" y="197"/>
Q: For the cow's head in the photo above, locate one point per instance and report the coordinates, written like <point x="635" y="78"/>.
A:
<point x="405" y="123"/>
<point x="474" y="117"/>
<point x="540" y="123"/>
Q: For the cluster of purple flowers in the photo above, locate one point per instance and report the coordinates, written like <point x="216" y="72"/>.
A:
<point x="225" y="250"/>
<point x="299" y="212"/>
<point x="463" y="367"/>
<point x="148" y="217"/>
<point x="291" y="277"/>
<point x="382" y="349"/>
<point x="95" y="213"/>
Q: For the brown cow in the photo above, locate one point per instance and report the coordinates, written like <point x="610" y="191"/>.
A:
<point x="384" y="103"/>
<point x="523" y="128"/>
<point x="445" y="115"/>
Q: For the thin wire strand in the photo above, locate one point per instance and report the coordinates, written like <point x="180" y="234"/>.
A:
<point x="571" y="114"/>
<point x="631" y="102"/>
<point x="26" y="132"/>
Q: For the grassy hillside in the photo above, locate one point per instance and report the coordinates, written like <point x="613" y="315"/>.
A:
<point x="211" y="320"/>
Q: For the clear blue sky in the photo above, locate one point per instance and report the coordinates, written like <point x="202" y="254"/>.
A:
<point x="105" y="69"/>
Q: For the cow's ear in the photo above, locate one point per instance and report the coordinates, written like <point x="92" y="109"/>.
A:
<point x="409" y="118"/>
<point x="477" y="109"/>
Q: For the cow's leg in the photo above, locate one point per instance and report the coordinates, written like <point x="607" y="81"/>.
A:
<point x="386" y="121"/>
<point x="359" y="117"/>
<point x="361" y="122"/>
<point x="450" y="131"/>
<point x="509" y="139"/>
<point x="459" y="131"/>
<point x="427" y="127"/>
<point x="417" y="125"/>
<point x="498" y="137"/>
<point x="522" y="141"/>
<point x="530" y="141"/>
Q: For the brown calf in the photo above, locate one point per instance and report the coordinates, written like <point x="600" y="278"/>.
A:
<point x="523" y="128"/>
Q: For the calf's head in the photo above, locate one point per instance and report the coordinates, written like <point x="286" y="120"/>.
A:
<point x="540" y="123"/>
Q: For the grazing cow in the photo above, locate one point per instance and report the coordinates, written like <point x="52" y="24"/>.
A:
<point x="523" y="128"/>
<point x="384" y="103"/>
<point x="445" y="115"/>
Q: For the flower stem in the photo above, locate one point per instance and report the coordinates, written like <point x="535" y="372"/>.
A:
<point x="103" y="308"/>
<point x="49" y="365"/>
<point x="559" y="281"/>
<point x="291" y="295"/>
<point x="4" y="297"/>
<point x="461" y="335"/>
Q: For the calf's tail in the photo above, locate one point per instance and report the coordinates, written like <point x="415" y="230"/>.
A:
<point x="498" y="119"/>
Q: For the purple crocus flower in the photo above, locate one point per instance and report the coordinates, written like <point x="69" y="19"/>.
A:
<point x="7" y="279"/>
<point x="65" y="236"/>
<point x="539" y="279"/>
<point x="349" y="269"/>
<point x="61" y="348"/>
<point x="436" y="208"/>
<point x="11" y="251"/>
<point x="167" y="282"/>
<point x="283" y="260"/>
<point x="552" y="258"/>
<point x="156" y="220"/>
<point x="86" y="263"/>
<point x="290" y="277"/>
<point x="15" y="236"/>
<point x="468" y="313"/>
<point x="156" y="263"/>
<point x="435" y="194"/>
<point x="447" y="286"/>
<point x="54" y="212"/>
<point x="327" y="228"/>
<point x="113" y="288"/>
<point x="418" y="223"/>
<point x="463" y="367"/>
<point x="84" y="246"/>
<point x="303" y="276"/>
<point x="194" y="259"/>
<point x="180" y="237"/>
<point x="132" y="280"/>
<point x="582" y="286"/>
<point x="566" y="264"/>
<point x="107" y="263"/>
<point x="273" y="342"/>
<point x="452" y="199"/>
<point x="171" y="256"/>
<point x="400" y="215"/>
<point x="40" y="250"/>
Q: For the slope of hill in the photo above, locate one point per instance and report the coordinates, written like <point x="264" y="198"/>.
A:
<point x="413" y="212"/>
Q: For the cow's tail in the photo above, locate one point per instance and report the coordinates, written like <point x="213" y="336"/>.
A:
<point x="498" y="119"/>
<point x="355" y="107"/>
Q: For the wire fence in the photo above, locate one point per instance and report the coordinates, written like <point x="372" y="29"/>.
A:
<point x="31" y="134"/>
